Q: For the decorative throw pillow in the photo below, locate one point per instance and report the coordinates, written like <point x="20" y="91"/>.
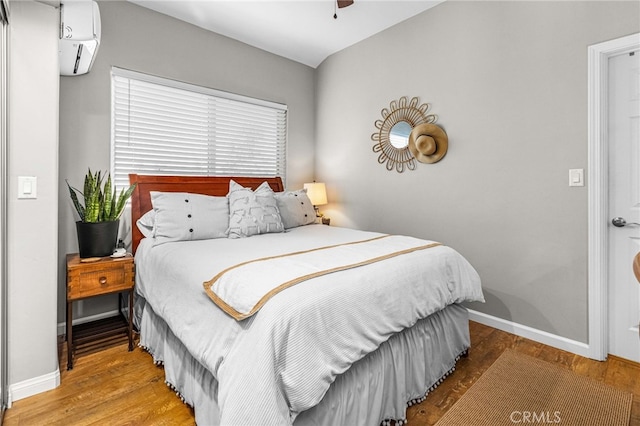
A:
<point x="181" y="216"/>
<point x="146" y="223"/>
<point x="295" y="208"/>
<point x="252" y="212"/>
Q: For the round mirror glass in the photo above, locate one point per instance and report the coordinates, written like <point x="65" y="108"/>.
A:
<point x="399" y="134"/>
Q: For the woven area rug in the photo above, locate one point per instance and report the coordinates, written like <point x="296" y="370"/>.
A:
<point x="521" y="390"/>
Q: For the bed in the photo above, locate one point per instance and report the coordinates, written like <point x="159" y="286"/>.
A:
<point x="350" y="344"/>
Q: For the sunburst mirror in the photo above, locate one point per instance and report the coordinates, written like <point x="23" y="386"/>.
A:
<point x="394" y="130"/>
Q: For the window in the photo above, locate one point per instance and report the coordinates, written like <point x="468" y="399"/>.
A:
<point x="166" y="127"/>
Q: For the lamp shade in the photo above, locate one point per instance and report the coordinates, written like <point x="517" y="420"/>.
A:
<point x="317" y="193"/>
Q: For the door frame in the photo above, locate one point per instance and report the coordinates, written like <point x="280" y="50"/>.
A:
<point x="4" y="179"/>
<point x="598" y="189"/>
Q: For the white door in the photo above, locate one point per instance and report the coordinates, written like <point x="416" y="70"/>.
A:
<point x="624" y="204"/>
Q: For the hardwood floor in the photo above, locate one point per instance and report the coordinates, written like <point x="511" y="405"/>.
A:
<point x="117" y="387"/>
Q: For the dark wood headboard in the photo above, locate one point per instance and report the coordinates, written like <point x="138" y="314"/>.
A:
<point x="207" y="185"/>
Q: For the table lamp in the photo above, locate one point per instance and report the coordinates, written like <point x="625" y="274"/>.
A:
<point x="317" y="193"/>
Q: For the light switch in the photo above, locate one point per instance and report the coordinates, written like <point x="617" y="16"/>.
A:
<point x="576" y="177"/>
<point x="27" y="187"/>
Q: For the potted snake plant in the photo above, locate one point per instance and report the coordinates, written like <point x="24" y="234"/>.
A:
<point x="99" y="214"/>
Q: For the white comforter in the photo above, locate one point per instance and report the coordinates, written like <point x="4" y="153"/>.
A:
<point x="281" y="361"/>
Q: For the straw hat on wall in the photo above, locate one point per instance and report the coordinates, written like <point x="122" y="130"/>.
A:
<point x="428" y="143"/>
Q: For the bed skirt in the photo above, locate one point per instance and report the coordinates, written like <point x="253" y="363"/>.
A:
<point x="378" y="387"/>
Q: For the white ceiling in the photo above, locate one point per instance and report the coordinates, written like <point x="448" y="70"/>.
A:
<point x="302" y="30"/>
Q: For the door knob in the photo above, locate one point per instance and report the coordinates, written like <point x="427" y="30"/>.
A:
<point x="620" y="222"/>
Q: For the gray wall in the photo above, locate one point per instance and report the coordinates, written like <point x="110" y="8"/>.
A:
<point x="142" y="40"/>
<point x="32" y="239"/>
<point x="508" y="81"/>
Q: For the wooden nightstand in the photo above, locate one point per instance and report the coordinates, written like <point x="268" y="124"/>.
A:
<point x="89" y="279"/>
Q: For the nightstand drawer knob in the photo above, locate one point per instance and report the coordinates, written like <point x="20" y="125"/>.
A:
<point x="103" y="280"/>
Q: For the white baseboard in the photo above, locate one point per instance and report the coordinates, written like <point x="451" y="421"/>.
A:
<point x="33" y="386"/>
<point x="531" y="333"/>
<point x="62" y="327"/>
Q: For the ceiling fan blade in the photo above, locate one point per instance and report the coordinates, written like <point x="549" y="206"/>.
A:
<point x="344" y="3"/>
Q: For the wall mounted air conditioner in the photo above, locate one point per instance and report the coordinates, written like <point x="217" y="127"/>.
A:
<point x="79" y="36"/>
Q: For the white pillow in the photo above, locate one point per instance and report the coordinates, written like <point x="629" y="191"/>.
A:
<point x="252" y="212"/>
<point x="181" y="216"/>
<point x="146" y="223"/>
<point x="295" y="208"/>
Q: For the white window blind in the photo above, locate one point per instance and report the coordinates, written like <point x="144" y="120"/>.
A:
<point x="166" y="127"/>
